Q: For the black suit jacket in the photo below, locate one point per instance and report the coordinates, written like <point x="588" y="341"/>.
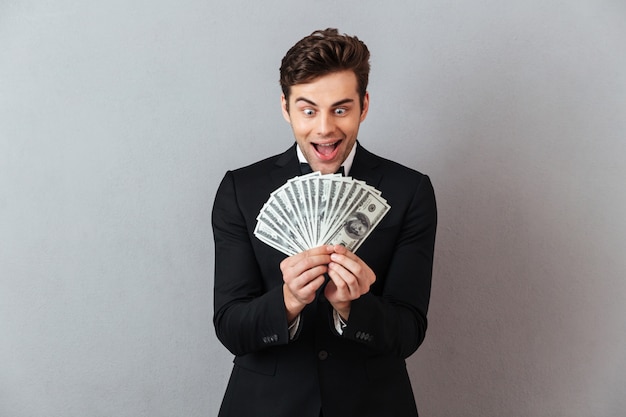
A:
<point x="360" y="373"/>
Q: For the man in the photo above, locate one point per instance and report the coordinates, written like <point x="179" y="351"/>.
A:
<point x="325" y="331"/>
<point x="357" y="225"/>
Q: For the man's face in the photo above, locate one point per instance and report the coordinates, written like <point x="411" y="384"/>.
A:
<point x="325" y="115"/>
<point x="357" y="228"/>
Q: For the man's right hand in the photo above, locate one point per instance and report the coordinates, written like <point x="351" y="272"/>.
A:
<point x="303" y="275"/>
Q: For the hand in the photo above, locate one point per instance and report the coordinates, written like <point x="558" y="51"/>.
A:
<point x="303" y="275"/>
<point x="350" y="279"/>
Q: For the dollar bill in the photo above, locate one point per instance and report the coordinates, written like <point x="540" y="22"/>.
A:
<point x="359" y="223"/>
<point x="315" y="209"/>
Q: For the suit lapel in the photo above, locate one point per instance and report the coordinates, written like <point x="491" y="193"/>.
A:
<point x="365" y="167"/>
<point x="286" y="167"/>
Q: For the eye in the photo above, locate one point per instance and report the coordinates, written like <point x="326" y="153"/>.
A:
<point x="308" y="112"/>
<point x="340" y="111"/>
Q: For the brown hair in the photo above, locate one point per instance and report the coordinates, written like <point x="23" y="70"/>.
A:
<point x="321" y="53"/>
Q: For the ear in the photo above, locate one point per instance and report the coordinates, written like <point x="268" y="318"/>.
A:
<point x="283" y="106"/>
<point x="366" y="105"/>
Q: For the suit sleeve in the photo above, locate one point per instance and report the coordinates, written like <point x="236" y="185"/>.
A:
<point x="247" y="317"/>
<point x="394" y="321"/>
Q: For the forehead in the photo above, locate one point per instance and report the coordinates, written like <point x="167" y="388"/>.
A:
<point x="331" y="88"/>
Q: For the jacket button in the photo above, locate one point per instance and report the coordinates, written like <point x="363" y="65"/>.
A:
<point x="322" y="355"/>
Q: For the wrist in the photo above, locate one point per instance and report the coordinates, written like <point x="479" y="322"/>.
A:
<point x="293" y="307"/>
<point x="343" y="309"/>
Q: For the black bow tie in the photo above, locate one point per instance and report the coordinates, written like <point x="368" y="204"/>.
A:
<point x="306" y="169"/>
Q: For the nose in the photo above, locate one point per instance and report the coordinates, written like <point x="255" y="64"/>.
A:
<point x="326" y="125"/>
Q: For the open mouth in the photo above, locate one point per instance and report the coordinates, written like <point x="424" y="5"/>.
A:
<point x="326" y="150"/>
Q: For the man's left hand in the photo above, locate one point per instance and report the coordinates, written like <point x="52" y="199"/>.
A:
<point x="350" y="278"/>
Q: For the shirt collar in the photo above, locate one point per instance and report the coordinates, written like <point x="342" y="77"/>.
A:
<point x="347" y="164"/>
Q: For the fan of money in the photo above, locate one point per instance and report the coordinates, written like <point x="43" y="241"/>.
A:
<point x="320" y="209"/>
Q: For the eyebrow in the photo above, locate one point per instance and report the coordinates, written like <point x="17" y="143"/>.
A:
<point x="312" y="103"/>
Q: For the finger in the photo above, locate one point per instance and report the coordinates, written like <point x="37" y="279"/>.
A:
<point x="342" y="250"/>
<point x="352" y="264"/>
<point x="347" y="284"/>
<point x="299" y="257"/>
<point x="304" y="286"/>
<point x="307" y="292"/>
<point x="308" y="266"/>
<point x="296" y="282"/>
<point x="303" y="294"/>
<point x="356" y="266"/>
<point x="315" y="283"/>
<point x="310" y="275"/>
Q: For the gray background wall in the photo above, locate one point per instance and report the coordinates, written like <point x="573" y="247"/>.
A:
<point x="119" y="118"/>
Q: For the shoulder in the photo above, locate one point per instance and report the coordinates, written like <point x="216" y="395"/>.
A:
<point x="262" y="165"/>
<point x="389" y="167"/>
<point x="399" y="184"/>
<point x="251" y="185"/>
<point x="266" y="171"/>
